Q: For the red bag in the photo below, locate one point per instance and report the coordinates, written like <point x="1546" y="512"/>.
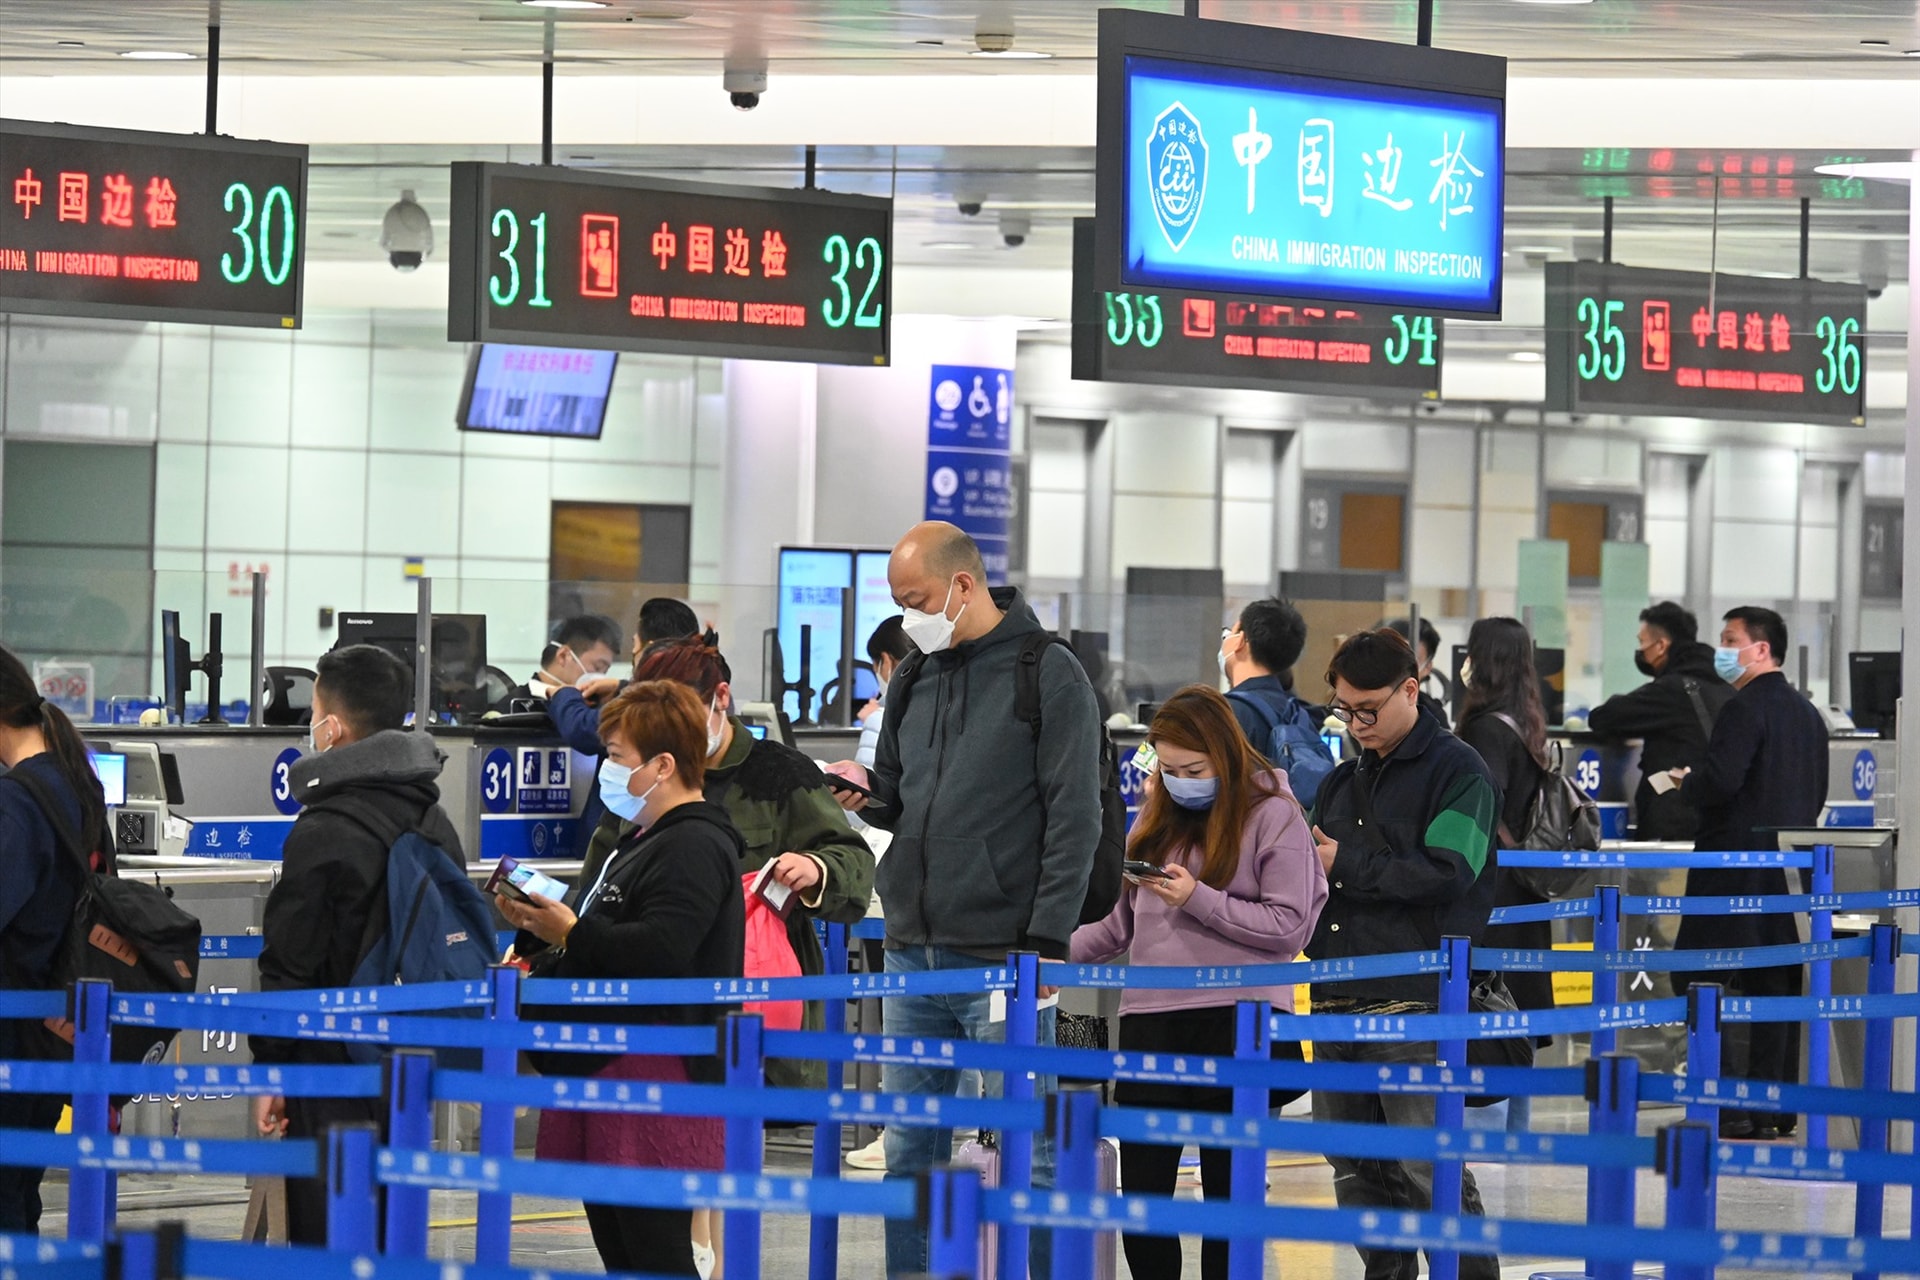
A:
<point x="770" y="955"/>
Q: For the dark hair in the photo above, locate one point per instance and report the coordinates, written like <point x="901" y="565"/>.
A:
<point x="368" y="687"/>
<point x="1429" y="635"/>
<point x="889" y="640"/>
<point x="1677" y="624"/>
<point x="22" y="707"/>
<point x="586" y="631"/>
<point x="661" y="717"/>
<point x="1762" y="624"/>
<point x="1275" y="632"/>
<point x="1199" y="719"/>
<point x="664" y="618"/>
<point x="1506" y="681"/>
<point x="1377" y="659"/>
<point x="689" y="661"/>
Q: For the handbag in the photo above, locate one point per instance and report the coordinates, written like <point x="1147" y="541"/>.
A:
<point x="1490" y="995"/>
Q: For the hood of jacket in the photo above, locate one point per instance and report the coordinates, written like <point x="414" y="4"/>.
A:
<point x="392" y="758"/>
<point x="1693" y="659"/>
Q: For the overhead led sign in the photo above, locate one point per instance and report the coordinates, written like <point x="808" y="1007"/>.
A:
<point x="1631" y="340"/>
<point x="120" y="224"/>
<point x="562" y="257"/>
<point x="1264" y="162"/>
<point x="1183" y="337"/>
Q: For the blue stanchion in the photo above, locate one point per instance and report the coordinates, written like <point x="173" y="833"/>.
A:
<point x="823" y="1233"/>
<point x="1247" y="1173"/>
<point x="493" y="1216"/>
<point x="1869" y="1205"/>
<point x="1686" y="1160"/>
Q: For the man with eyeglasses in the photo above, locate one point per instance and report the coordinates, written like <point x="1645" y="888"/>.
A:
<point x="1406" y="835"/>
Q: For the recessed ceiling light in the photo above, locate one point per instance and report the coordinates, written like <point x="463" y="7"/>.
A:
<point x="1877" y="43"/>
<point x="1526" y="357"/>
<point x="564" y="4"/>
<point x="71" y="44"/>
<point x="948" y="244"/>
<point x="157" y="55"/>
<point x="935" y="42"/>
<point x="1008" y="53"/>
<point x="1538" y="248"/>
<point x="1910" y="53"/>
<point x="1884" y="170"/>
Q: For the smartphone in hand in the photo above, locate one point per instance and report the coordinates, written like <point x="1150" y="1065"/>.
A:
<point x="847" y="785"/>
<point x="513" y="880"/>
<point x="1145" y="870"/>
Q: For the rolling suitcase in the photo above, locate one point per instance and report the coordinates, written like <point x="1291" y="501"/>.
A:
<point x="975" y="1154"/>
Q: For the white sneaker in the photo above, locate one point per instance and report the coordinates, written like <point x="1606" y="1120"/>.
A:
<point x="873" y="1156"/>
<point x="703" y="1260"/>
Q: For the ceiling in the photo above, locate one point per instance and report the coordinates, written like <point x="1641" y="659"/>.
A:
<point x="1821" y="37"/>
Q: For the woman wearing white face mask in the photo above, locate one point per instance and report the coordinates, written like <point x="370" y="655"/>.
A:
<point x="666" y="904"/>
<point x="1238" y="883"/>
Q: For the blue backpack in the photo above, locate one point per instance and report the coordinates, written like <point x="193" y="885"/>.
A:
<point x="1292" y="742"/>
<point x="438" y="926"/>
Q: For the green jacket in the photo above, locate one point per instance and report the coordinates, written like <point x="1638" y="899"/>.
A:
<point x="778" y="799"/>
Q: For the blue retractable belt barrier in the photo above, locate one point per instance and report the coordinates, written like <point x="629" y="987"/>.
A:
<point x="1232" y="977"/>
<point x="1373" y="1141"/>
<point x="123" y="1154"/>
<point x="164" y="1078"/>
<point x="840" y="986"/>
<point x="1817" y="1008"/>
<point x="1518" y="960"/>
<point x="228" y="1260"/>
<point x="421" y="997"/>
<point x="1593" y="860"/>
<point x="1769" y="1095"/>
<point x="1535" y="912"/>
<point x="33" y="1004"/>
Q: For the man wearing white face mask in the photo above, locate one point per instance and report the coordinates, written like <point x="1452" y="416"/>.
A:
<point x="583" y="653"/>
<point x="1765" y="768"/>
<point x="333" y="874"/>
<point x="995" y="819"/>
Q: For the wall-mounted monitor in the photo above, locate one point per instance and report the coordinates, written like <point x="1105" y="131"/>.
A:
<point x="111" y="768"/>
<point x="812" y="580"/>
<point x="537" y="391"/>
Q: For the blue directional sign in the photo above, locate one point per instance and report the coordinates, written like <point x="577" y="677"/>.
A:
<point x="1279" y="163"/>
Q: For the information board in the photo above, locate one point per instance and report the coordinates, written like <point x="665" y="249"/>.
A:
<point x="562" y="257"/>
<point x="126" y="225"/>
<point x="1190" y="339"/>
<point x="1265" y="162"/>
<point x="1633" y="340"/>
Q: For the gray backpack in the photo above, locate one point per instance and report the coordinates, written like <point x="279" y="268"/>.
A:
<point x="1560" y="817"/>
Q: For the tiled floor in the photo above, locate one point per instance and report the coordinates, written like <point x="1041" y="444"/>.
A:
<point x="552" y="1234"/>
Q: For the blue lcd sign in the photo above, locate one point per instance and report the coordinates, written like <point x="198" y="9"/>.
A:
<point x="969" y="451"/>
<point x="1266" y="163"/>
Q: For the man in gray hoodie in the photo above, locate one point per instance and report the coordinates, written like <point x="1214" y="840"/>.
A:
<point x="994" y="825"/>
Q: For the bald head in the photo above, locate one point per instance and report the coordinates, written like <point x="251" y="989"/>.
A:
<point x="937" y="568"/>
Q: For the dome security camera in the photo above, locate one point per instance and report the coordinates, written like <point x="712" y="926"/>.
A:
<point x="969" y="207"/>
<point x="406" y="233"/>
<point x="1014" y="229"/>
<point x="744" y="85"/>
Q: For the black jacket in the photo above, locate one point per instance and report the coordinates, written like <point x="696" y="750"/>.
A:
<point x="1766" y="768"/>
<point x="1421" y="870"/>
<point x="333" y="875"/>
<point x="40" y="880"/>
<point x="1516" y="776"/>
<point x="1663" y="717"/>
<point x="669" y="905"/>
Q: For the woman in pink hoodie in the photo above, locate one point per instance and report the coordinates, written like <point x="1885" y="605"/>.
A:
<point x="1239" y="884"/>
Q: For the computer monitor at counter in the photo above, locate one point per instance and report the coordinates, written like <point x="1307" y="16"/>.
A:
<point x="1873" y="690"/>
<point x="457" y="653"/>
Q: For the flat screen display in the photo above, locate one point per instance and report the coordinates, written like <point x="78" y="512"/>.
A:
<point x="1257" y="161"/>
<point x="111" y="768"/>
<point x="582" y="259"/>
<point x="537" y="391"/>
<point x="1687" y="344"/>
<point x="121" y="224"/>
<point x="812" y="580"/>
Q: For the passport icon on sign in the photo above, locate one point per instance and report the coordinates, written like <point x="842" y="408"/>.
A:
<point x="1197" y="317"/>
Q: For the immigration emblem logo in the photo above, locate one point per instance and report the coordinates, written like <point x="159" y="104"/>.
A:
<point x="1177" y="170"/>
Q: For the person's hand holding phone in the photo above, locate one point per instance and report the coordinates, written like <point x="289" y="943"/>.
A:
<point x="852" y="798"/>
<point x="542" y="917"/>
<point x="270" y="1116"/>
<point x="1173" y="886"/>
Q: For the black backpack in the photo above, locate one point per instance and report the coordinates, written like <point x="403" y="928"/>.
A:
<point x="127" y="932"/>
<point x="1560" y="817"/>
<point x="1104" y="880"/>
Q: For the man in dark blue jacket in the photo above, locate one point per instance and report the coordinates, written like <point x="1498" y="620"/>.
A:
<point x="994" y="828"/>
<point x="1406" y="835"/>
<point x="1254" y="654"/>
<point x="1765" y="768"/>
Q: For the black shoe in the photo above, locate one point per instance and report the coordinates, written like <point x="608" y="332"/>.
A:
<point x="1738" y="1126"/>
<point x="1785" y="1124"/>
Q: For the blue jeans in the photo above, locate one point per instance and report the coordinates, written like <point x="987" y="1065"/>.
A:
<point x="912" y="1149"/>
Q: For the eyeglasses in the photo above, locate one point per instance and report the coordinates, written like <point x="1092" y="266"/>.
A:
<point x="1365" y="717"/>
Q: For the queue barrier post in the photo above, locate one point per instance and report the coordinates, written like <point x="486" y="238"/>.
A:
<point x="1869" y="1198"/>
<point x="130" y="1255"/>
<point x="353" y="1195"/>
<point x="1820" y="979"/>
<point x="1016" y="1145"/>
<point x="90" y="1004"/>
<point x="1703" y="1046"/>
<point x="1073" y="1118"/>
<point x="409" y="1080"/>
<point x="1606" y="938"/>
<point x="746" y="1069"/>
<point x="1450" y="1109"/>
<point x="1684" y="1154"/>
<point x="493" y="1230"/>
<point x="949" y="1204"/>
<point x="823" y="1230"/>
<point x="1252" y="1028"/>
<point x="1613" y="1087"/>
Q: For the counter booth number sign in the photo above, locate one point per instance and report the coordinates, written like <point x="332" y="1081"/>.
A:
<point x="1866" y="775"/>
<point x="280" y="782"/>
<point x="527" y="780"/>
